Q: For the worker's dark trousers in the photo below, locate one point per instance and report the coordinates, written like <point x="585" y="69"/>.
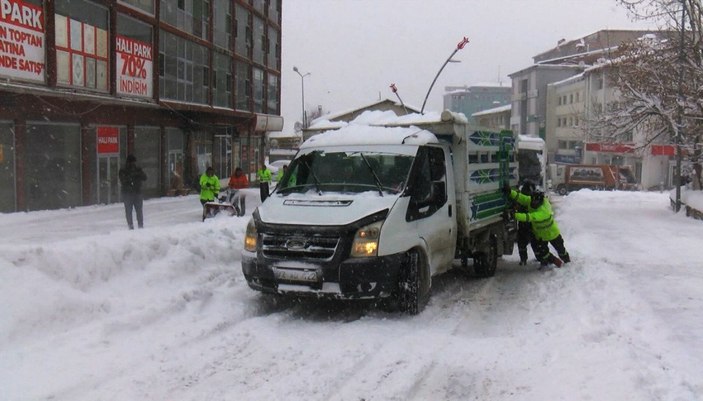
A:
<point x="542" y="250"/>
<point x="263" y="190"/>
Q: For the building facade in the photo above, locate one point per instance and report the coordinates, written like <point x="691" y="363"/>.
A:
<point x="475" y="98"/>
<point x="180" y="84"/>
<point x="497" y="118"/>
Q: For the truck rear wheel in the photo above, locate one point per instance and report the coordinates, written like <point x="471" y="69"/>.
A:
<point x="413" y="284"/>
<point x="561" y="189"/>
<point x="485" y="263"/>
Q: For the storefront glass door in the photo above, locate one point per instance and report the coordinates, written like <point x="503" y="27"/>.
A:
<point x="108" y="179"/>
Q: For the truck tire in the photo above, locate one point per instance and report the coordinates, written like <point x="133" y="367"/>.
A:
<point x="413" y="286"/>
<point x="485" y="263"/>
<point x="561" y="189"/>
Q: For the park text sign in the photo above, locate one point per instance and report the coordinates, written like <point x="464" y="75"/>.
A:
<point x="135" y="64"/>
<point x="22" y="41"/>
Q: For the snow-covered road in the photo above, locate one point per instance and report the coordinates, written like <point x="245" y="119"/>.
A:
<point x="91" y="311"/>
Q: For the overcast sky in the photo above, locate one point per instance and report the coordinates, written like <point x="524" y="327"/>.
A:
<point x="354" y="49"/>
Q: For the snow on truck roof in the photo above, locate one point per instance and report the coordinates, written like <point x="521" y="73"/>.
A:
<point x="371" y="135"/>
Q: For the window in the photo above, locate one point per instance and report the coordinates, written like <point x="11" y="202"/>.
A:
<point x="222" y="24"/>
<point x="577" y="96"/>
<point x="563" y="145"/>
<point x="259" y="5"/>
<point x="273" y="49"/>
<point x="222" y="82"/>
<point x="258" y="86"/>
<point x="144" y="5"/>
<point x="52" y="166"/>
<point x="259" y="41"/>
<point x="188" y="15"/>
<point x="7" y="170"/>
<point x="147" y="145"/>
<point x="82" y="44"/>
<point x="571" y="98"/>
<point x="427" y="169"/>
<point x="134" y="58"/>
<point x="273" y="94"/>
<point x="183" y="73"/>
<point x="274" y="10"/>
<point x="558" y="122"/>
<point x="559" y="100"/>
<point x="242" y="41"/>
<point x="242" y="88"/>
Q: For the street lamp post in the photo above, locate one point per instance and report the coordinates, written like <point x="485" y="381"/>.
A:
<point x="302" y="86"/>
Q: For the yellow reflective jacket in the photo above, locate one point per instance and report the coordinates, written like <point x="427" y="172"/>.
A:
<point x="209" y="187"/>
<point x="541" y="219"/>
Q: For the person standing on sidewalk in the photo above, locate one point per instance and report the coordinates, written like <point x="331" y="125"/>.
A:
<point x="131" y="178"/>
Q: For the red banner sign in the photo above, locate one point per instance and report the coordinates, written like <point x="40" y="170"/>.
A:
<point x="609" y="147"/>
<point x="108" y="140"/>
<point x="22" y="40"/>
<point x="663" y="150"/>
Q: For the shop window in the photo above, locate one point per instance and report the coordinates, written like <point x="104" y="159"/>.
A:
<point x="134" y="58"/>
<point x="53" y="166"/>
<point x="222" y="82"/>
<point x="258" y="81"/>
<point x="82" y="44"/>
<point x="242" y="40"/>
<point x="147" y="145"/>
<point x="145" y="5"/>
<point x="242" y="89"/>
<point x="7" y="168"/>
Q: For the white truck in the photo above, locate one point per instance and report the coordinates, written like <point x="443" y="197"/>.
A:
<point x="369" y="212"/>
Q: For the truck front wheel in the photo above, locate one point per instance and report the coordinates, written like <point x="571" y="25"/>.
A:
<point x="561" y="189"/>
<point x="413" y="284"/>
<point x="486" y="262"/>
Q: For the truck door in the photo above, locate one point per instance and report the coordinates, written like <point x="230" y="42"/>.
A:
<point x="430" y="213"/>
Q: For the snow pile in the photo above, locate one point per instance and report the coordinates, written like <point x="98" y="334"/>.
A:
<point x="370" y="135"/>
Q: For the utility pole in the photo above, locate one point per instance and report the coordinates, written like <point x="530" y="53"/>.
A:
<point x="679" y="118"/>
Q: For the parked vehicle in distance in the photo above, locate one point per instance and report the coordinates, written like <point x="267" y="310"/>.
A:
<point x="572" y="177"/>
<point x="374" y="212"/>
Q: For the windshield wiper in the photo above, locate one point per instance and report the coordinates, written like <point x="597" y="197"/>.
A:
<point x="314" y="177"/>
<point x="373" y="173"/>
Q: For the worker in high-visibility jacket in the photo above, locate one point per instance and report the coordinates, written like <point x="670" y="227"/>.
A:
<point x="264" y="176"/>
<point x="209" y="186"/>
<point x="540" y="216"/>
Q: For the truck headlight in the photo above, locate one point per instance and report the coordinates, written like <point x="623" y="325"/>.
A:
<point x="250" y="237"/>
<point x="366" y="240"/>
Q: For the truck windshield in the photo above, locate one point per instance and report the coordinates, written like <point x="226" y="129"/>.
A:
<point x="347" y="172"/>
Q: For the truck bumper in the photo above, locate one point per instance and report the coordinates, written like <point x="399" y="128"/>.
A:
<point x="354" y="278"/>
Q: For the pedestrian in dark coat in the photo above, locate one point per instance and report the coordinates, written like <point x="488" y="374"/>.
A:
<point x="131" y="178"/>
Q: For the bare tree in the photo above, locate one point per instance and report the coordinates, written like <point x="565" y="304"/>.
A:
<point x="659" y="78"/>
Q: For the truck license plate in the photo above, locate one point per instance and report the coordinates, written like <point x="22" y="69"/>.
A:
<point x="295" y="274"/>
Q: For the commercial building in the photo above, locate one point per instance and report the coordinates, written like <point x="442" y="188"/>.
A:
<point x="181" y="84"/>
<point x="475" y="98"/>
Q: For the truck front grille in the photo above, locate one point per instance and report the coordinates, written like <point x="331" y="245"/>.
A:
<point x="291" y="247"/>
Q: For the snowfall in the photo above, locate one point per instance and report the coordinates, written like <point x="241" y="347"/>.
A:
<point x="93" y="311"/>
